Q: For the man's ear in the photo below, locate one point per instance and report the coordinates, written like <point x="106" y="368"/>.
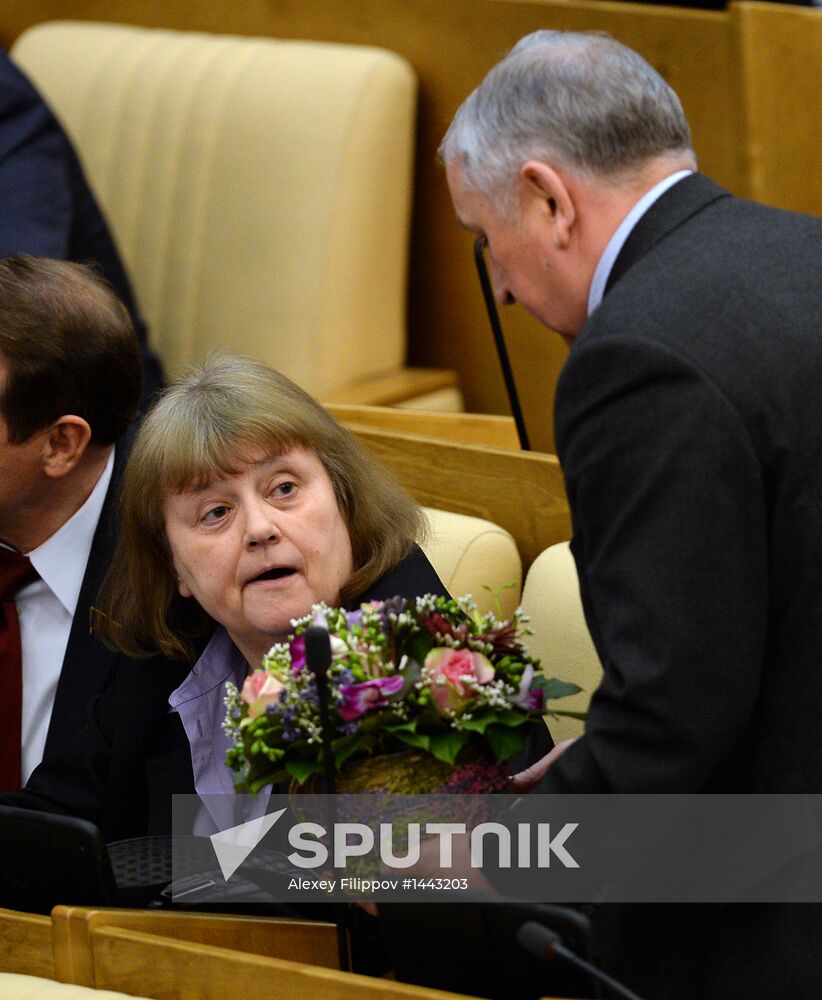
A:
<point x="65" y="444"/>
<point x="545" y="191"/>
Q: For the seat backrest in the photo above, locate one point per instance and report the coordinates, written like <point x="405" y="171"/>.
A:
<point x="259" y="190"/>
<point x="181" y="970"/>
<point x="783" y="146"/>
<point x="26" y="944"/>
<point x="521" y="491"/>
<point x="311" y="941"/>
<point x="474" y="556"/>
<point x="466" y="428"/>
<point x="561" y="638"/>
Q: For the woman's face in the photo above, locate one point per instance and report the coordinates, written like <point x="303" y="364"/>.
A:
<point x="258" y="548"/>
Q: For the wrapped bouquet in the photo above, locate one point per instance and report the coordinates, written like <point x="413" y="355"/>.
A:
<point x="430" y="675"/>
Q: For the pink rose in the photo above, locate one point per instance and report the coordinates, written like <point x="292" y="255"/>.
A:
<point x="453" y="674"/>
<point x="260" y="689"/>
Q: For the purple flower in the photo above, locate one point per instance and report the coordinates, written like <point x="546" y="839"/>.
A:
<point x="297" y="651"/>
<point x="353" y="618"/>
<point x="532" y="700"/>
<point x="359" y="698"/>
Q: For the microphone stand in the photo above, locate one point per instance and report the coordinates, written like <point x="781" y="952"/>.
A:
<point x="542" y="942"/>
<point x="499" y="341"/>
<point x="318" y="658"/>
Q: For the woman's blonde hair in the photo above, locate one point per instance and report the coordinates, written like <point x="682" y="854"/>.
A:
<point x="205" y="423"/>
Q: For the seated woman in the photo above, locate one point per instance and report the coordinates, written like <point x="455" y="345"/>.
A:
<point x="244" y="503"/>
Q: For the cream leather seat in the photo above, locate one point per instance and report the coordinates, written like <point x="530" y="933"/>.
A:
<point x="561" y="638"/>
<point x="474" y="556"/>
<point x="259" y="190"/>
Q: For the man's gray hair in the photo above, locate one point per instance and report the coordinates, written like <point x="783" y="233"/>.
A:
<point x="584" y="102"/>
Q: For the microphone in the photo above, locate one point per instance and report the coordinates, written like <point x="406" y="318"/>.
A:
<point x="318" y="659"/>
<point x="543" y="943"/>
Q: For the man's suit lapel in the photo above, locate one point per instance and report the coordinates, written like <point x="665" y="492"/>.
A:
<point x="676" y="206"/>
<point x="88" y="664"/>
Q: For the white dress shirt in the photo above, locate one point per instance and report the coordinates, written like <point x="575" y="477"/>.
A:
<point x="46" y="610"/>
<point x="617" y="241"/>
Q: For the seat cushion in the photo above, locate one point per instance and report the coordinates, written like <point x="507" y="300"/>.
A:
<point x="17" y="987"/>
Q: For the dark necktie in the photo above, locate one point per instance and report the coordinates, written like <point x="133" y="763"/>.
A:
<point x="15" y="572"/>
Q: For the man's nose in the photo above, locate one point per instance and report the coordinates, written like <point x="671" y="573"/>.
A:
<point x="502" y="292"/>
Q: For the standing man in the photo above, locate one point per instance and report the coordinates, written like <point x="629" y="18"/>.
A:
<point x="70" y="383"/>
<point x="688" y="421"/>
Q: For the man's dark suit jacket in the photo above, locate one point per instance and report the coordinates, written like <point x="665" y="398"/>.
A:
<point x="88" y="665"/>
<point x="689" y="429"/>
<point x="46" y="206"/>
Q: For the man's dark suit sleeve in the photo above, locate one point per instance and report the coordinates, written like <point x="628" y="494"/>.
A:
<point x="35" y="188"/>
<point x="46" y="206"/>
<point x="663" y="482"/>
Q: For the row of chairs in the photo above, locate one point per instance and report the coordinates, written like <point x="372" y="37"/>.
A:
<point x="171" y="956"/>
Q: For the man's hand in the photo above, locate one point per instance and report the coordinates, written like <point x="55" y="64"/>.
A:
<point x="528" y="779"/>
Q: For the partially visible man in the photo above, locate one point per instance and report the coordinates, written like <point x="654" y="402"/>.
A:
<point x="70" y="385"/>
<point x="687" y="422"/>
<point x="46" y="206"/>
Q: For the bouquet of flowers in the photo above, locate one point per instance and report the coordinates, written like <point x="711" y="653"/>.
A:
<point x="431" y="674"/>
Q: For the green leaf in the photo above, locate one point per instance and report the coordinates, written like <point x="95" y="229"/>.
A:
<point x="477" y="725"/>
<point x="407" y="732"/>
<point x="508" y="717"/>
<point x="555" y="688"/>
<point x="411" y="674"/>
<point x="419" y="645"/>
<point x="402" y="727"/>
<point x="446" y="746"/>
<point x="504" y="741"/>
<point x="419" y="740"/>
<point x="344" y="747"/>
<point x="302" y="769"/>
<point x="569" y="715"/>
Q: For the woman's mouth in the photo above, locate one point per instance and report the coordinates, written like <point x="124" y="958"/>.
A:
<point x="275" y="573"/>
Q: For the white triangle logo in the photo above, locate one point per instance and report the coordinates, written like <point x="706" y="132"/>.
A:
<point x="233" y="846"/>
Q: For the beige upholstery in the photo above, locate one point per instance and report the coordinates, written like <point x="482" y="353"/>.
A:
<point x="471" y="554"/>
<point x="561" y="639"/>
<point x="259" y="189"/>
<point x="17" y="987"/>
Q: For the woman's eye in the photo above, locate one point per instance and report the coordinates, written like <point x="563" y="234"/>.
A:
<point x="215" y="513"/>
<point x="284" y="489"/>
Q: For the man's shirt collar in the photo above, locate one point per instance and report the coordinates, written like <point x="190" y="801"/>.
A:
<point x="58" y="560"/>
<point x="617" y="241"/>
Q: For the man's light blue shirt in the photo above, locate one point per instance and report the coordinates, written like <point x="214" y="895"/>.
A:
<point x="617" y="241"/>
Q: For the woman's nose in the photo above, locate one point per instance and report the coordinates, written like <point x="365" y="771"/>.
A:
<point x="261" y="525"/>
